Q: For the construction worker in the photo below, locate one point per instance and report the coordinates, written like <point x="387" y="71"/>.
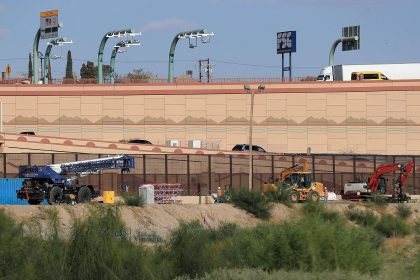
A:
<point x="219" y="194"/>
<point x="325" y="195"/>
<point x="302" y="182"/>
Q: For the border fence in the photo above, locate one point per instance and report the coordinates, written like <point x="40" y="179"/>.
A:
<point x="202" y="174"/>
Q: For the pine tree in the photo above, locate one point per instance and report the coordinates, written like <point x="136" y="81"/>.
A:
<point x="30" y="66"/>
<point x="69" y="66"/>
<point x="83" y="70"/>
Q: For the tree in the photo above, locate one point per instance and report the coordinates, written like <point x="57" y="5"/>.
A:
<point x="30" y="66"/>
<point x="69" y="66"/>
<point x="88" y="71"/>
<point x="139" y="74"/>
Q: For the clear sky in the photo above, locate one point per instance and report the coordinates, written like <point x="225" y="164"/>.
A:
<point x="244" y="44"/>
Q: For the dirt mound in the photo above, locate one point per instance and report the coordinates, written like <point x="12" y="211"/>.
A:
<point x="162" y="219"/>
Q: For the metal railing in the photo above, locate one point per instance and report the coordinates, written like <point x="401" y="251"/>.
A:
<point x="155" y="80"/>
<point x="202" y="174"/>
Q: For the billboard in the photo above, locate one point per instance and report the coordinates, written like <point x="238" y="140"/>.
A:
<point x="349" y="32"/>
<point x="286" y="42"/>
<point x="49" y="24"/>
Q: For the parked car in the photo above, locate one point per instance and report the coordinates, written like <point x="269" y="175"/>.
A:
<point x="139" y="141"/>
<point x="245" y="147"/>
<point x="27" y="132"/>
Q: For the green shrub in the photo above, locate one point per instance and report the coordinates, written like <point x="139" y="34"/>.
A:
<point x="363" y="218"/>
<point x="252" y="202"/>
<point x="246" y="274"/>
<point x="312" y="244"/>
<point x="377" y="201"/>
<point x="133" y="200"/>
<point x="190" y="250"/>
<point x="391" y="226"/>
<point x="316" y="209"/>
<point x="403" y="211"/>
<point x="100" y="245"/>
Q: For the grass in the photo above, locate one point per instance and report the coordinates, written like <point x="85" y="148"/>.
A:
<point x="133" y="200"/>
<point x="391" y="226"/>
<point x="246" y="273"/>
<point x="362" y="217"/>
<point x="315" y="244"/>
<point x="403" y="211"/>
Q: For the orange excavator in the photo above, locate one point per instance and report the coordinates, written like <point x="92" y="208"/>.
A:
<point x="377" y="183"/>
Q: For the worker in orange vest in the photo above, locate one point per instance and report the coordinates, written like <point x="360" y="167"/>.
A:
<point x="219" y="194"/>
<point x="325" y="195"/>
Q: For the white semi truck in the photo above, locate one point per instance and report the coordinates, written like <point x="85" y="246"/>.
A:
<point x="400" y="71"/>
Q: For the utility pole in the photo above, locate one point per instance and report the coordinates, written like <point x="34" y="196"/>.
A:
<point x="206" y="68"/>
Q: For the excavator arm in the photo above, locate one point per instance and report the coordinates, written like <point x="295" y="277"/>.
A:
<point x="302" y="167"/>
<point x="404" y="168"/>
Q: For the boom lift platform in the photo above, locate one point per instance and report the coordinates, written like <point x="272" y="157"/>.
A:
<point x="59" y="182"/>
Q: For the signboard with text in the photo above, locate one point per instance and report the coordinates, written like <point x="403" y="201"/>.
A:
<point x="348" y="32"/>
<point x="49" y="24"/>
<point x="286" y="42"/>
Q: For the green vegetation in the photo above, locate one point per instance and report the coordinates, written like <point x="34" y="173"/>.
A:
<point x="403" y="211"/>
<point x="316" y="244"/>
<point x="279" y="196"/>
<point x="69" y="66"/>
<point x="391" y="226"/>
<point x="252" y="202"/>
<point x="362" y="217"/>
<point x="387" y="225"/>
<point x="246" y="274"/>
<point x="133" y="200"/>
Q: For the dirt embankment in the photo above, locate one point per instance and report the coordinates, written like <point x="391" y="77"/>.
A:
<point x="162" y="219"/>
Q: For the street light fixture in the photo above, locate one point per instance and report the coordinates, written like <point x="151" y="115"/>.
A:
<point x="56" y="42"/>
<point x="261" y="88"/>
<point x="41" y="57"/>
<point x="192" y="37"/>
<point x="112" y="34"/>
<point x="116" y="49"/>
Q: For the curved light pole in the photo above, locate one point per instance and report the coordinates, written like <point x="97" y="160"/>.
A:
<point x="261" y="88"/>
<point x="58" y="41"/>
<point x="191" y="35"/>
<point x="121" y="44"/>
<point x="111" y="34"/>
<point x="35" y="57"/>
<point x="35" y="54"/>
<point x="336" y="43"/>
<point x="332" y="51"/>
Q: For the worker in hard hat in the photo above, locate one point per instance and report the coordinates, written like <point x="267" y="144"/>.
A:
<point x="219" y="194"/>
<point x="325" y="195"/>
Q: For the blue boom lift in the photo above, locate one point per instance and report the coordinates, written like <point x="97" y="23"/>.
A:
<point x="59" y="182"/>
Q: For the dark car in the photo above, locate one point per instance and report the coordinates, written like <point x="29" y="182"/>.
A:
<point x="245" y="147"/>
<point x="28" y="133"/>
<point x="139" y="141"/>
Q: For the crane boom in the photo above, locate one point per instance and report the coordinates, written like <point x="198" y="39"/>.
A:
<point x="123" y="162"/>
<point x="52" y="181"/>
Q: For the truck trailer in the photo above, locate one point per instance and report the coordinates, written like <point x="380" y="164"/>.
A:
<point x="399" y="71"/>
